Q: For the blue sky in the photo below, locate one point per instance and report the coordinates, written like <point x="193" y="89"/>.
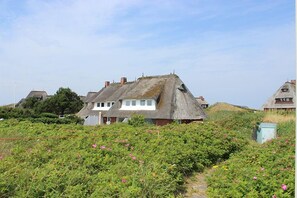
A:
<point x="232" y="51"/>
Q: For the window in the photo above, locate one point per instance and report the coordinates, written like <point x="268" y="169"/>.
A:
<point x="102" y="104"/>
<point x="98" y="104"/>
<point x="128" y="103"/>
<point x="142" y="102"/>
<point x="284" y="100"/>
<point x="108" y="104"/>
<point x="149" y="102"/>
<point x="182" y="88"/>
<point x="285" y="89"/>
<point x="112" y="103"/>
<point x="133" y="102"/>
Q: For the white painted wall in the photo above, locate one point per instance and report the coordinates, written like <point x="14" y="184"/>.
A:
<point x="138" y="106"/>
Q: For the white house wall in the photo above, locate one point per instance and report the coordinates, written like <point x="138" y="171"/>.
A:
<point x="105" y="108"/>
<point x="138" y="106"/>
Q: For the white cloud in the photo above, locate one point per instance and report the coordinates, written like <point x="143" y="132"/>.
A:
<point x="81" y="44"/>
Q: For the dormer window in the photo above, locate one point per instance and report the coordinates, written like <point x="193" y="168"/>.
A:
<point x="134" y="104"/>
<point x="104" y="106"/>
<point x="182" y="88"/>
<point x="285" y="89"/>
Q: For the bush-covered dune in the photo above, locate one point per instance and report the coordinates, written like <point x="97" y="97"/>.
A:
<point x="260" y="170"/>
<point x="110" y="161"/>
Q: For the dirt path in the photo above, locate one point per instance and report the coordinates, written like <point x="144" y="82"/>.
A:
<point x="196" y="185"/>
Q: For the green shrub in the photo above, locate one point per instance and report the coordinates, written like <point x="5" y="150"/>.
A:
<point x="260" y="170"/>
<point x="242" y="122"/>
<point x="48" y="115"/>
<point x="103" y="161"/>
<point x="28" y="114"/>
<point x="136" y="120"/>
<point x="8" y="113"/>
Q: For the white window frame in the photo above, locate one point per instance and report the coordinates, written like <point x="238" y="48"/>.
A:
<point x="149" y="102"/>
<point x="142" y="102"/>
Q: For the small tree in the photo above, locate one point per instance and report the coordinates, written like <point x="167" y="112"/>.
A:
<point x="31" y="103"/>
<point x="63" y="102"/>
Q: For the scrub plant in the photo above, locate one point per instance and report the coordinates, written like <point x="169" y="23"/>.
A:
<point x="119" y="160"/>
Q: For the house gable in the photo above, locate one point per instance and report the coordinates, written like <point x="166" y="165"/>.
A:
<point x="283" y="99"/>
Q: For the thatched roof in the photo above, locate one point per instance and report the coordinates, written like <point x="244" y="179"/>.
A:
<point x="38" y="94"/>
<point x="108" y="93"/>
<point x="287" y="90"/>
<point x="112" y="92"/>
<point x="174" y="100"/>
<point x="201" y="100"/>
<point x="90" y="96"/>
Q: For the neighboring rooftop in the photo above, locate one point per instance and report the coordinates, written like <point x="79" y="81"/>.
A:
<point x="283" y="99"/>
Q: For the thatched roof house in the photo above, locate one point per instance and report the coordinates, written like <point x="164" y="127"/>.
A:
<point x="283" y="99"/>
<point x="41" y="95"/>
<point x="161" y="99"/>
<point x="204" y="104"/>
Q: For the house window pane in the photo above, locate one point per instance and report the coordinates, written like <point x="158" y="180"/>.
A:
<point x="102" y="104"/>
<point x="127" y="103"/>
<point x="133" y="102"/>
<point x="149" y="102"/>
<point x="98" y="104"/>
<point x="108" y="104"/>
<point x="112" y="103"/>
<point x="142" y="102"/>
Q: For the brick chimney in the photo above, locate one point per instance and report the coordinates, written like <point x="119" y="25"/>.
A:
<point x="107" y="83"/>
<point x="123" y="80"/>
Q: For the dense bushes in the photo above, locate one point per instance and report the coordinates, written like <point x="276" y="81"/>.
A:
<point x="136" y="120"/>
<point x="8" y="112"/>
<point x="117" y="160"/>
<point x="47" y="118"/>
<point x="243" y="122"/>
<point x="265" y="170"/>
